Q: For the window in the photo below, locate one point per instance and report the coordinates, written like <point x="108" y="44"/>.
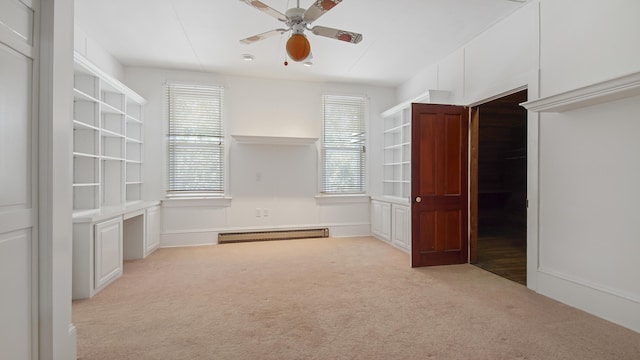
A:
<point x="195" y="140"/>
<point x="343" y="144"/>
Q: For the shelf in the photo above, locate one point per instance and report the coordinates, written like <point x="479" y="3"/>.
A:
<point x="86" y="184"/>
<point x="112" y="158"/>
<point x="396" y="146"/>
<point x="396" y="128"/>
<point x="106" y="108"/>
<point x="397" y="163"/>
<point x="133" y="161"/>
<point x="81" y="96"/>
<point x="77" y="124"/>
<point x="274" y="140"/>
<point x="396" y="181"/>
<point x="132" y="119"/>
<point x="85" y="155"/>
<point x="132" y="140"/>
<point x="109" y="133"/>
<point x="605" y="91"/>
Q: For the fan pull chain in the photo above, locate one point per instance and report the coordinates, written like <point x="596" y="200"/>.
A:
<point x="286" y="62"/>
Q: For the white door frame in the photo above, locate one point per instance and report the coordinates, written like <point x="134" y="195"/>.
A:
<point x="56" y="334"/>
<point x="533" y="165"/>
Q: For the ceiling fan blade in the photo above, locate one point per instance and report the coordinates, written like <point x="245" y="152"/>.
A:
<point x="342" y="35"/>
<point x="269" y="10"/>
<point x="254" y="38"/>
<point x="318" y="8"/>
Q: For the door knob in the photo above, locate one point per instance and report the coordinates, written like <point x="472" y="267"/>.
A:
<point x="418" y="199"/>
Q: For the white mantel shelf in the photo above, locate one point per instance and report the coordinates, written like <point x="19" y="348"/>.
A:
<point x="610" y="90"/>
<point x="274" y="140"/>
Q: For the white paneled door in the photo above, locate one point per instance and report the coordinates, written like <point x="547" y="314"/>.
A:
<point x="18" y="182"/>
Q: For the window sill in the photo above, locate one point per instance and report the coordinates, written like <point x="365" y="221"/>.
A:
<point x="198" y="201"/>
<point x="342" y="199"/>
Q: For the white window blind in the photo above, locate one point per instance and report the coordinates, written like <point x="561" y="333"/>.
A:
<point x="343" y="144"/>
<point x="195" y="140"/>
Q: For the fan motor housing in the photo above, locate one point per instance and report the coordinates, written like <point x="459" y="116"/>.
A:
<point x="295" y="16"/>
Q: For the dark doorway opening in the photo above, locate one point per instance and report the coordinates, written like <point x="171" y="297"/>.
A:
<point x="502" y="187"/>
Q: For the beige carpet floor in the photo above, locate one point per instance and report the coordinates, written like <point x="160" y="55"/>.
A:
<point x="335" y="298"/>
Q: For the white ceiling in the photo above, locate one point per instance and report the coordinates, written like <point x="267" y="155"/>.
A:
<point x="401" y="37"/>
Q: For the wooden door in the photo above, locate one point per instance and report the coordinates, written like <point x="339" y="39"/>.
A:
<point x="439" y="205"/>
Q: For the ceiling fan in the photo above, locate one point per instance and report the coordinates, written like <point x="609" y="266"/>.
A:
<point x="298" y="20"/>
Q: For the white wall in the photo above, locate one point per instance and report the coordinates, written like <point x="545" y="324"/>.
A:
<point x="588" y="42"/>
<point x="499" y="60"/>
<point x="282" y="179"/>
<point x="589" y="234"/>
<point x="589" y="172"/>
<point x="95" y="53"/>
<point x="583" y="167"/>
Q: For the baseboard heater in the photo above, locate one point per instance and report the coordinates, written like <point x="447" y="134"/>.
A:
<point x="225" y="238"/>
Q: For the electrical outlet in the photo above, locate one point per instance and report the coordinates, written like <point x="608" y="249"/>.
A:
<point x="258" y="212"/>
<point x="265" y="212"/>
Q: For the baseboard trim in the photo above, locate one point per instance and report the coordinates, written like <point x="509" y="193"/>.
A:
<point x="73" y="341"/>
<point x="210" y="236"/>
<point x="615" y="307"/>
<point x="391" y="243"/>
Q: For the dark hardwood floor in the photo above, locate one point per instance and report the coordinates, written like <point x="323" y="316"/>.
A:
<point x="503" y="251"/>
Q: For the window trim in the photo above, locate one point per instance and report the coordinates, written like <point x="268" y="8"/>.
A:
<point x="177" y="196"/>
<point x="331" y="196"/>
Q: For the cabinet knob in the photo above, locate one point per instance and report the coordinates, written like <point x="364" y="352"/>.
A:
<point x="418" y="199"/>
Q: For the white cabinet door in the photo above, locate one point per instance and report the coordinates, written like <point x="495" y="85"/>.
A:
<point x="108" y="252"/>
<point x="153" y="229"/>
<point x="18" y="182"/>
<point x="401" y="226"/>
<point x="381" y="219"/>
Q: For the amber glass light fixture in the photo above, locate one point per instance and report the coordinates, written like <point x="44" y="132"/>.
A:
<point x="298" y="47"/>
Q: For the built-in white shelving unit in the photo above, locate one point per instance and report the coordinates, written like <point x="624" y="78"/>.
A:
<point x="397" y="146"/>
<point x="108" y="140"/>
<point x="397" y="153"/>
<point x="390" y="213"/>
<point x="111" y="222"/>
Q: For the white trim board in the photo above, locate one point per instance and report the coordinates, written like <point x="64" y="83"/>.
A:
<point x="210" y="236"/>
<point x="596" y="301"/>
<point x="605" y="91"/>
